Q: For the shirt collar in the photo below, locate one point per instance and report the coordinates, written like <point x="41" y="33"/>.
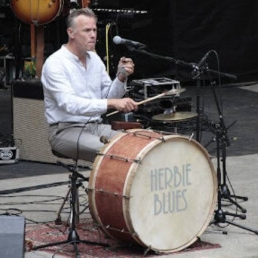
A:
<point x="73" y="55"/>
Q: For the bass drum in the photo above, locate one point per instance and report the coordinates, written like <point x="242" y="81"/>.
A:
<point x="154" y="190"/>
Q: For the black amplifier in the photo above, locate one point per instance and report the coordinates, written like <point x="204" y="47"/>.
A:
<point x="146" y="88"/>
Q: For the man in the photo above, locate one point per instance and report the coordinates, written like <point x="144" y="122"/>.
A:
<point x="78" y="90"/>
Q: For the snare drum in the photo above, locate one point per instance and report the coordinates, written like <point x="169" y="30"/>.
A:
<point x="158" y="191"/>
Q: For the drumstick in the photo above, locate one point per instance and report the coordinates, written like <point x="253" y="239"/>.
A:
<point x="147" y="100"/>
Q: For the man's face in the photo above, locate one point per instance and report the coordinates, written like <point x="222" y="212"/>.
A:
<point x="84" y="33"/>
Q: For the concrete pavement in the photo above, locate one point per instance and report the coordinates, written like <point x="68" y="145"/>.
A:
<point x="41" y="205"/>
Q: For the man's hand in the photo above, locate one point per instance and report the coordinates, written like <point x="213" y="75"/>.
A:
<point x="125" y="104"/>
<point x="125" y="68"/>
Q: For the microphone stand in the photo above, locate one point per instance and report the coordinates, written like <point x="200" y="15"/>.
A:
<point x="220" y="214"/>
<point x="196" y="74"/>
<point x="222" y="141"/>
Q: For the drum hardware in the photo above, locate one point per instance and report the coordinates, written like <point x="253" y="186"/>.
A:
<point x="191" y="137"/>
<point x="222" y="142"/>
<point x="197" y="71"/>
<point x="223" y="192"/>
<point x="221" y="138"/>
<point x="146" y="134"/>
<point x="164" y="133"/>
<point x="119" y="158"/>
<point x="110" y="193"/>
<point x="120" y="230"/>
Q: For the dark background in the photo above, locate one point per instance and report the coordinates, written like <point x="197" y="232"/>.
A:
<point x="184" y="30"/>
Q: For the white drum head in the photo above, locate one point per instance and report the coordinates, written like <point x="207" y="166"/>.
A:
<point x="173" y="194"/>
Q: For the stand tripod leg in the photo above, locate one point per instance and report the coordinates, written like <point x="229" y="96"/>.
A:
<point x="220" y="217"/>
<point x="225" y="193"/>
<point x="58" y="220"/>
<point x="243" y="227"/>
<point x="244" y="198"/>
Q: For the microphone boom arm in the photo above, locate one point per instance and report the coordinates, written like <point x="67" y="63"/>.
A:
<point x="183" y="63"/>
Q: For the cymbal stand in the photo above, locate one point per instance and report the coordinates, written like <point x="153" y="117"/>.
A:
<point x="73" y="237"/>
<point x="198" y="109"/>
<point x="222" y="142"/>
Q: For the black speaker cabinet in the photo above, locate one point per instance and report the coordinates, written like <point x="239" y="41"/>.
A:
<point x="12" y="236"/>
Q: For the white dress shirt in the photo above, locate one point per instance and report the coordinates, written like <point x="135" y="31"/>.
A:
<point x="73" y="93"/>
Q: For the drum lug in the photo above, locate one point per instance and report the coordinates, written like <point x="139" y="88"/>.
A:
<point x="116" y="157"/>
<point x="108" y="227"/>
<point x="191" y="137"/>
<point x="90" y="188"/>
<point x="147" y="250"/>
<point x="127" y="197"/>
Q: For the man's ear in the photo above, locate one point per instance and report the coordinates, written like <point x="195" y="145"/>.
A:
<point x="70" y="33"/>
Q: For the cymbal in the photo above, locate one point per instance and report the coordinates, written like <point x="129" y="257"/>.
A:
<point x="175" y="91"/>
<point x="175" y="116"/>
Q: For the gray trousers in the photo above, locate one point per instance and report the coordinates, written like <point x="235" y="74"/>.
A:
<point x="79" y="141"/>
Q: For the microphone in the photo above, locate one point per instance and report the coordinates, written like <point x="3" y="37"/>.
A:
<point x="197" y="67"/>
<point x="203" y="60"/>
<point x="118" y="40"/>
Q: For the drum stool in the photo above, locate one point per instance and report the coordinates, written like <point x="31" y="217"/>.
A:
<point x="71" y="168"/>
<point x="73" y="237"/>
